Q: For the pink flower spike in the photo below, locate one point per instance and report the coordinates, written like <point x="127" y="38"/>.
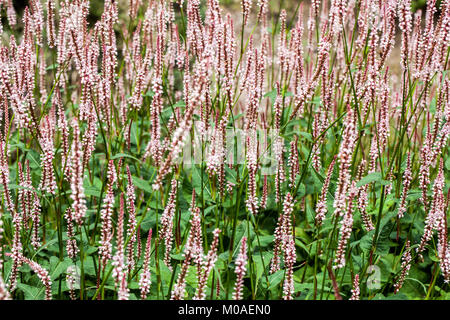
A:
<point x="240" y="270"/>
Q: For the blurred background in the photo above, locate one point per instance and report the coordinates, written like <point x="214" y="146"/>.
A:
<point x="96" y="7"/>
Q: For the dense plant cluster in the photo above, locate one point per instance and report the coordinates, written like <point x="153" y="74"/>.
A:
<point x="189" y="150"/>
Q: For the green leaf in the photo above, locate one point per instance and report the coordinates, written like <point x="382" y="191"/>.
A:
<point x="149" y="93"/>
<point x="179" y="103"/>
<point x="372" y="177"/>
<point x="242" y="231"/>
<point x="259" y="266"/>
<point x="316" y="100"/>
<point x="414" y="194"/>
<point x="166" y="274"/>
<point x="15" y="186"/>
<point x="92" y="191"/>
<point x="383" y="243"/>
<point x="51" y="67"/>
<point x="141" y="184"/>
<point x="313" y="183"/>
<point x="299" y="243"/>
<point x="177" y="256"/>
<point x="133" y="285"/>
<point x="19" y="145"/>
<point x="274" y="279"/>
<point x="57" y="266"/>
<point x="398" y="296"/>
<point x="191" y="277"/>
<point x="306" y="135"/>
<point x="264" y="241"/>
<point x="89" y="267"/>
<point x="31" y="293"/>
<point x="447" y="163"/>
<point x="33" y="156"/>
<point x="272" y="94"/>
<point x="45" y="246"/>
<point x="124" y="155"/>
<point x="301" y="189"/>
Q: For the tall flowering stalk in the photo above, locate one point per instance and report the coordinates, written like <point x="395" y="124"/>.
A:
<point x="89" y="139"/>
<point x="380" y="139"/>
<point x="51" y="30"/>
<point x="282" y="233"/>
<point x="216" y="158"/>
<point x="71" y="244"/>
<point x="363" y="200"/>
<point x="263" y="5"/>
<point x="246" y="6"/>
<point x="406" y="265"/>
<point x="405" y="24"/>
<point x="48" y="182"/>
<point x="178" y="291"/>
<point x="438" y="208"/>
<point x="156" y="107"/>
<point x="4" y="175"/>
<point x="196" y="225"/>
<point x="25" y="194"/>
<point x="265" y="193"/>
<point x="36" y="218"/>
<point x="355" y="291"/>
<point x="76" y="176"/>
<point x="178" y="140"/>
<point x="289" y="261"/>
<point x="345" y="157"/>
<point x="407" y="178"/>
<point x="207" y="266"/>
<point x="4" y="293"/>
<point x="145" y="278"/>
<point x="42" y="274"/>
<point x="278" y="146"/>
<point x="321" y="207"/>
<point x="71" y="281"/>
<point x="17" y="217"/>
<point x="293" y="162"/>
<point x="434" y="219"/>
<point x="105" y="249"/>
<point x="119" y="265"/>
<point x="240" y="270"/>
<point x="16" y="252"/>
<point x="346" y="229"/>
<point x="252" y="164"/>
<point x="63" y="128"/>
<point x="132" y="224"/>
<point x="166" y="231"/>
